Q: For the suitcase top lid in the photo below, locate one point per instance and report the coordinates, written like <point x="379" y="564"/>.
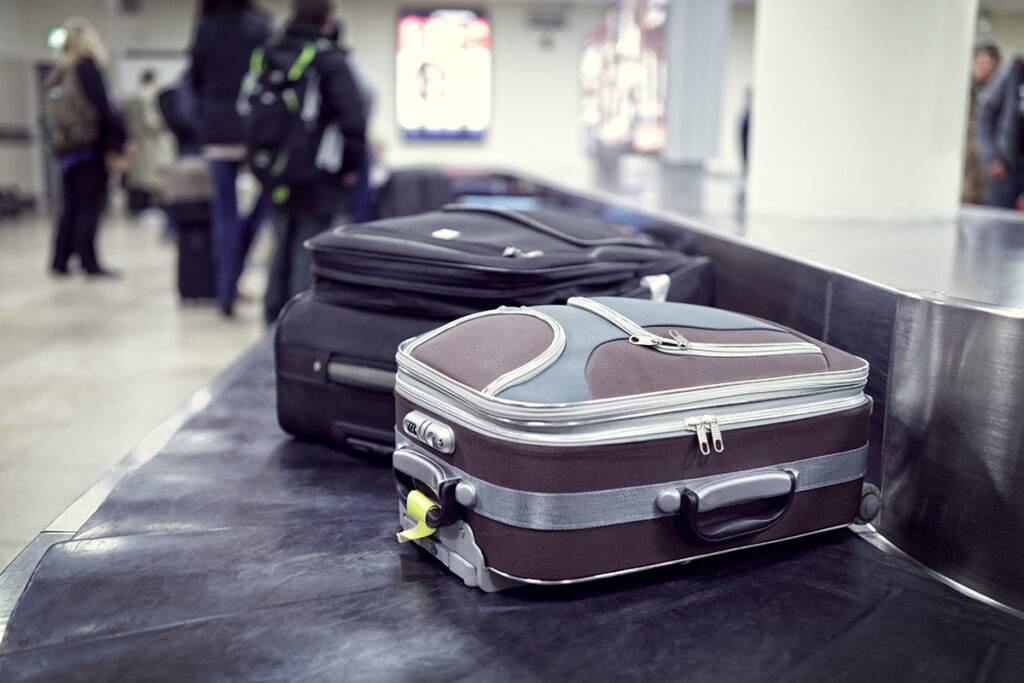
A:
<point x="613" y="357"/>
<point x="485" y="248"/>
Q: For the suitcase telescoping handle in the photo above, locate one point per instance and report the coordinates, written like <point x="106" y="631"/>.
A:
<point x="411" y="467"/>
<point x="776" y="487"/>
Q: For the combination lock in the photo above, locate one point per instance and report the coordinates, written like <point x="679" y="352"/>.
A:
<point x="427" y="430"/>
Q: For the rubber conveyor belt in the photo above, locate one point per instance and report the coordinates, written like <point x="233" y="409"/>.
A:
<point x="238" y="553"/>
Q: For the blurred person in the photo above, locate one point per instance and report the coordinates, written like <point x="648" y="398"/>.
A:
<point x="361" y="192"/>
<point x="177" y="106"/>
<point x="227" y="33"/>
<point x="149" y="136"/>
<point x="748" y="99"/>
<point x="326" y="133"/>
<point x="78" y="91"/>
<point x="983" y="67"/>
<point x="998" y="135"/>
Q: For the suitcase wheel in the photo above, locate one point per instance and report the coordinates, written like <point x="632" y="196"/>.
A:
<point x="870" y="504"/>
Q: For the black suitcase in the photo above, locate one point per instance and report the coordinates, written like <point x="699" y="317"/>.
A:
<point x="377" y="284"/>
<point x="196" y="274"/>
<point x="412" y="191"/>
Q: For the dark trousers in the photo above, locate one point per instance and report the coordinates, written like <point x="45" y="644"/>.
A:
<point x="1004" y="192"/>
<point x="232" y="235"/>
<point x="291" y="267"/>
<point x="80" y="215"/>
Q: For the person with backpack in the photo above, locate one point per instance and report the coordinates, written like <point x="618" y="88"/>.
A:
<point x="227" y="33"/>
<point x="81" y="128"/>
<point x="153" y="152"/>
<point x="305" y="130"/>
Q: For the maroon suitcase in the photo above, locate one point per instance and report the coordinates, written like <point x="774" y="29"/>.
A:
<point x="557" y="444"/>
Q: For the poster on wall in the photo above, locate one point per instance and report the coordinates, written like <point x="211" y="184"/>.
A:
<point x="623" y="79"/>
<point x="443" y="74"/>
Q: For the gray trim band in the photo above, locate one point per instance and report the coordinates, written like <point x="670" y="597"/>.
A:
<point x="564" y="511"/>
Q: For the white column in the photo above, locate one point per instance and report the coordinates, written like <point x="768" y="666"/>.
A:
<point x="859" y="108"/>
<point x="696" y="39"/>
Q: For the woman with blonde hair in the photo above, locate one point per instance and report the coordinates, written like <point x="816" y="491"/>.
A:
<point x="82" y="131"/>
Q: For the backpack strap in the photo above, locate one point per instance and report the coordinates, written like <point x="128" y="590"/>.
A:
<point x="302" y="62"/>
<point x="256" y="62"/>
<point x="305" y="58"/>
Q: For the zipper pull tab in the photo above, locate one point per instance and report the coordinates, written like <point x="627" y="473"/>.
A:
<point x="716" y="432"/>
<point x="697" y="426"/>
<point x="645" y="340"/>
<point x="679" y="339"/>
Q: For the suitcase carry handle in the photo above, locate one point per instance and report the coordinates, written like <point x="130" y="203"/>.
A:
<point x="776" y="486"/>
<point x="451" y="492"/>
<point x="534" y="224"/>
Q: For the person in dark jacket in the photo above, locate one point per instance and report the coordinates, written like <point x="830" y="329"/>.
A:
<point x="228" y="32"/>
<point x="311" y="207"/>
<point x="983" y="67"/>
<point x="84" y="171"/>
<point x="998" y="135"/>
<point x="177" y="108"/>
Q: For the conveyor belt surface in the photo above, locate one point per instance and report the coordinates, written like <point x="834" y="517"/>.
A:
<point x="238" y="553"/>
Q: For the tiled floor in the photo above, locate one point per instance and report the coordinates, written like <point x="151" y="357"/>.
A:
<point x="88" y="368"/>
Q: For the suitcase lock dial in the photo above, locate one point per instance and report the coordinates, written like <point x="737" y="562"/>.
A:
<point x="429" y="431"/>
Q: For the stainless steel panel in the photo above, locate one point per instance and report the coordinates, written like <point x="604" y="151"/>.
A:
<point x="860" y="319"/>
<point x="953" y="479"/>
<point x="988" y="262"/>
<point x="756" y="282"/>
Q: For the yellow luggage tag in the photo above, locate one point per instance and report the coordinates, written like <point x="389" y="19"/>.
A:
<point x="418" y="505"/>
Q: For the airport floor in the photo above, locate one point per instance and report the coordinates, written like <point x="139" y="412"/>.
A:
<point x="89" y="367"/>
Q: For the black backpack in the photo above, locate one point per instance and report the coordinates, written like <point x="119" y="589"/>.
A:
<point x="280" y="106"/>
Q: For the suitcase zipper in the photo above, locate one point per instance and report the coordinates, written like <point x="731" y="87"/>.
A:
<point x="534" y="367"/>
<point x="587" y="412"/>
<point x="511" y="378"/>
<point x="568" y="435"/>
<point x="677" y="344"/>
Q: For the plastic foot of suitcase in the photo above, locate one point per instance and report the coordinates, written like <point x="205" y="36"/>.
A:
<point x="455" y="547"/>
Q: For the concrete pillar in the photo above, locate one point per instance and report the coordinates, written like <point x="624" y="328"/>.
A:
<point x="696" y="39"/>
<point x="859" y="108"/>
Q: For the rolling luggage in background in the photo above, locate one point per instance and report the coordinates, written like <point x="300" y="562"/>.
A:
<point x="557" y="444"/>
<point x="186" y="199"/>
<point x="413" y="191"/>
<point x="377" y="284"/>
<point x="196" y="273"/>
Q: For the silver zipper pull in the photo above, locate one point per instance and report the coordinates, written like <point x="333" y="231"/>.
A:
<point x="697" y="425"/>
<point x="679" y="339"/>
<point x="716" y="432"/>
<point x="645" y="340"/>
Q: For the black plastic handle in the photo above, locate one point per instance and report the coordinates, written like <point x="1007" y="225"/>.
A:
<point x="729" y="529"/>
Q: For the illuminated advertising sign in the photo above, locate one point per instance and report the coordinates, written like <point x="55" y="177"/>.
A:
<point x="443" y="74"/>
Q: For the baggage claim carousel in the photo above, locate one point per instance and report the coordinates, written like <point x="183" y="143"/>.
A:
<point x="220" y="548"/>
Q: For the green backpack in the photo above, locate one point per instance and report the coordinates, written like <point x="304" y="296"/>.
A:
<point x="69" y="120"/>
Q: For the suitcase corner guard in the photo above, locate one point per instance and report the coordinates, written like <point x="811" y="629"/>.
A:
<point x="447" y="537"/>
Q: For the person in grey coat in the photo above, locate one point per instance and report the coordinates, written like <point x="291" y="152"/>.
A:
<point x="998" y="135"/>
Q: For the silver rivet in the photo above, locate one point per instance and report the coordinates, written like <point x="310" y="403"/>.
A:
<point x="669" y="501"/>
<point x="317" y="366"/>
<point x="465" y="494"/>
